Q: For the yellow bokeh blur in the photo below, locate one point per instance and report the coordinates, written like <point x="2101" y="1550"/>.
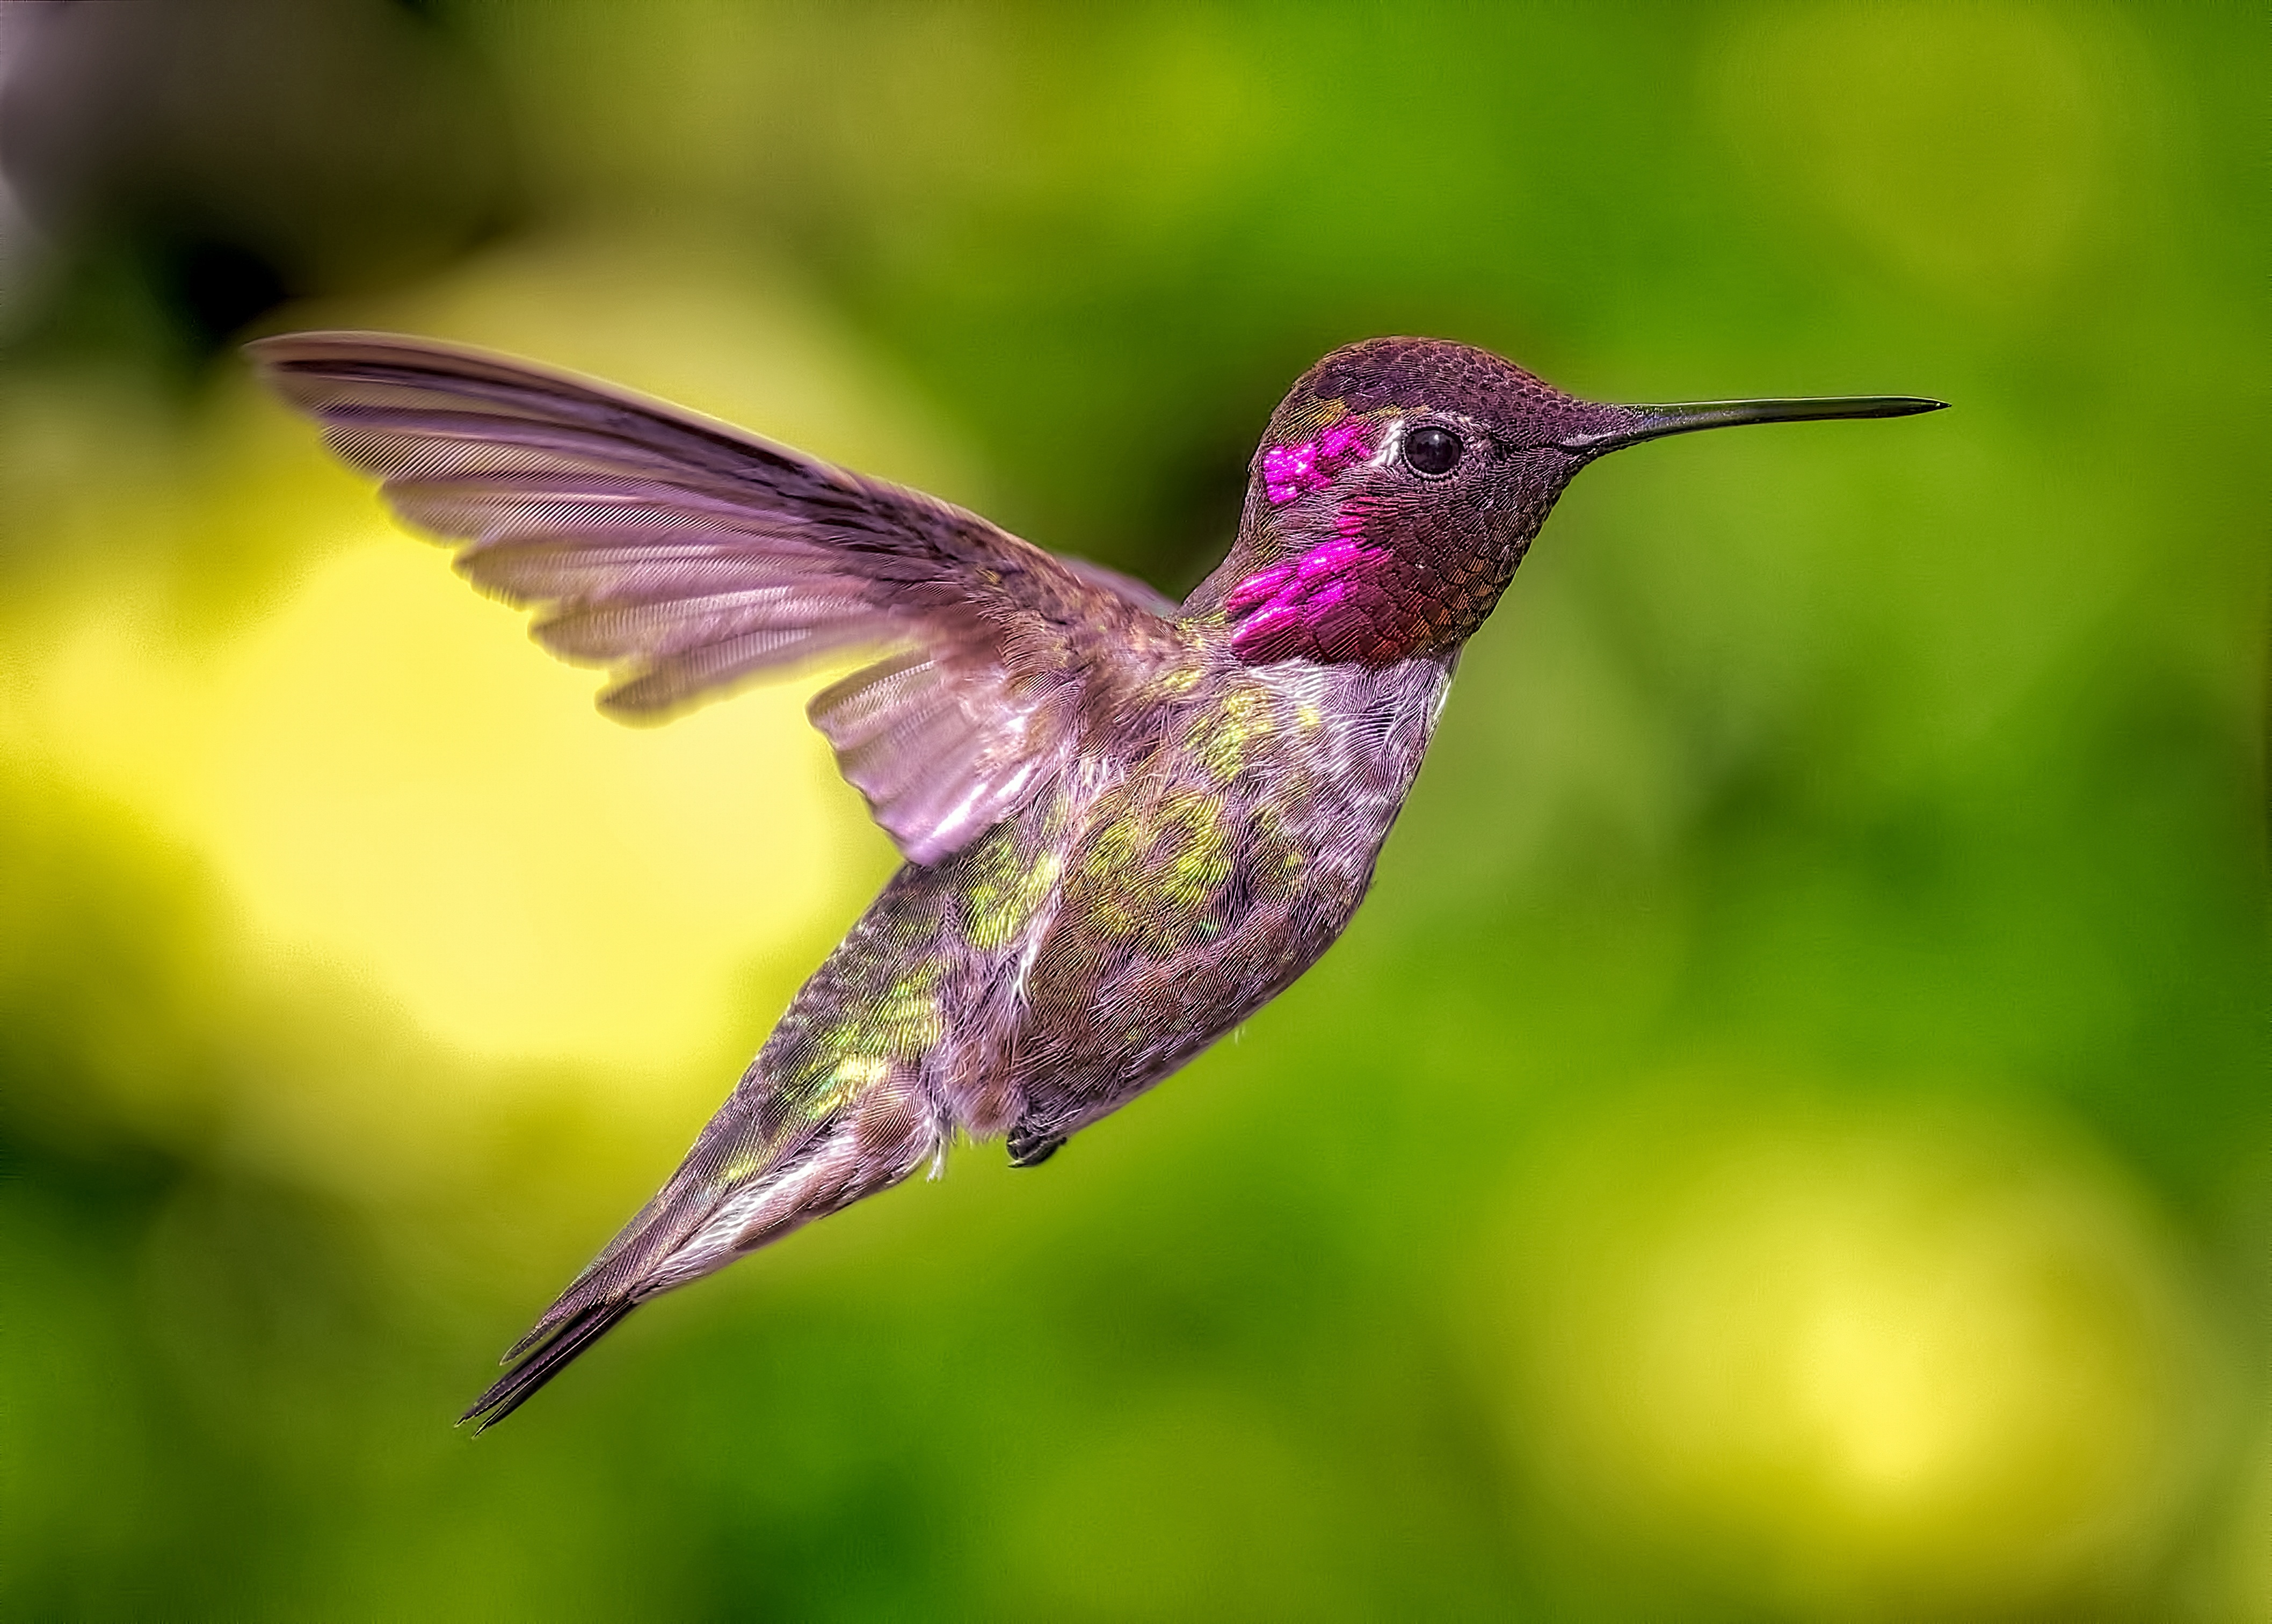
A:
<point x="1928" y="1360"/>
<point x="384" y="776"/>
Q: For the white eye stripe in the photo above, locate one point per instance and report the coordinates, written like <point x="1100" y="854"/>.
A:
<point x="1391" y="444"/>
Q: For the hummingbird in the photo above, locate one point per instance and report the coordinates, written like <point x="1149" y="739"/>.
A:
<point x="1127" y="823"/>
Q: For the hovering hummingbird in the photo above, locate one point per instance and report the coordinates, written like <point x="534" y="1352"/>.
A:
<point x="1128" y="823"/>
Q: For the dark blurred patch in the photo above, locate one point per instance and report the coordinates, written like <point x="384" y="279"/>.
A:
<point x="1171" y="518"/>
<point x="1193" y="501"/>
<point x="238" y="152"/>
<point x="219" y="286"/>
<point x="1200" y="495"/>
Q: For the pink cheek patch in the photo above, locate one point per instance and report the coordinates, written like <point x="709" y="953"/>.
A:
<point x="1319" y="605"/>
<point x="1290" y="471"/>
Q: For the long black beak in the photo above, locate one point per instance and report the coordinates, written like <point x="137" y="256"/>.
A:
<point x="1650" y="423"/>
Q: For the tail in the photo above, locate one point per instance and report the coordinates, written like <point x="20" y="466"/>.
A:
<point x="755" y="1173"/>
<point x="553" y="1351"/>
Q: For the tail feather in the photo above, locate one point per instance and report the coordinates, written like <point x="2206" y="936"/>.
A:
<point x="547" y="1360"/>
<point x="746" y="1183"/>
<point x="609" y="1288"/>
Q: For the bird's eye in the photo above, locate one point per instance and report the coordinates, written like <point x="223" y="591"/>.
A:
<point x="1432" y="450"/>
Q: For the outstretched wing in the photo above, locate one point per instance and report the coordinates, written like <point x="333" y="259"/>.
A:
<point x="686" y="556"/>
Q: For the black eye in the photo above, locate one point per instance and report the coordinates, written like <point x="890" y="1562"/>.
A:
<point x="1432" y="450"/>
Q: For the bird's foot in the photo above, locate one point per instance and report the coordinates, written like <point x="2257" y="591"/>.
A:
<point x="1031" y="1149"/>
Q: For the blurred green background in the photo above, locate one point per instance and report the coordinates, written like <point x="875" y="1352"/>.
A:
<point x="1787" y="1140"/>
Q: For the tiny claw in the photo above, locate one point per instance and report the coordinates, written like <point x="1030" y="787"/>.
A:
<point x="1030" y="1149"/>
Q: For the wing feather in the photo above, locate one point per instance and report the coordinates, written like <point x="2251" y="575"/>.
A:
<point x="687" y="556"/>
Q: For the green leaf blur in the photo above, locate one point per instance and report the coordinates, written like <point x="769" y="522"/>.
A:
<point x="1788" y="1137"/>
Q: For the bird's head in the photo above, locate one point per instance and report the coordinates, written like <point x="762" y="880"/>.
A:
<point x="1400" y="483"/>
